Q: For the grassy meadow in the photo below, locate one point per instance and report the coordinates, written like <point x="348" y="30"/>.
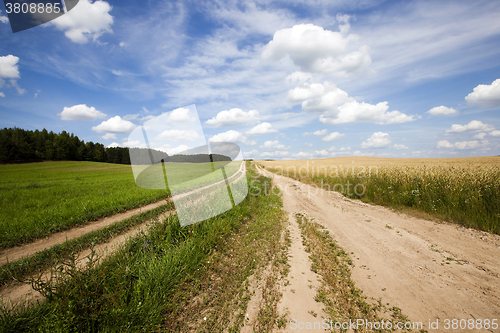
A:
<point x="38" y="199"/>
<point x="461" y="190"/>
<point x="169" y="278"/>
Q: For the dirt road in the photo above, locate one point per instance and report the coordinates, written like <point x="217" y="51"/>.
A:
<point x="431" y="271"/>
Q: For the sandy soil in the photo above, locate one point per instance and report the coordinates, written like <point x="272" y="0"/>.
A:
<point x="431" y="271"/>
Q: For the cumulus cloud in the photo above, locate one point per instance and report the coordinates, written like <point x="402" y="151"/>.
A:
<point x="3" y="19"/>
<point x="177" y="150"/>
<point x="355" y="112"/>
<point x="442" y="110"/>
<point x="2" y="94"/>
<point x="338" y="108"/>
<point x="315" y="49"/>
<point x="377" y="140"/>
<point x="273" y="145"/>
<point x="321" y="132"/>
<point x="495" y="133"/>
<point x="333" y="136"/>
<point x="181" y="115"/>
<point x="302" y="154"/>
<point x="109" y="136"/>
<point x="479" y="136"/>
<point x="81" y="112"/>
<point x="262" y="128"/>
<point x="8" y="67"/>
<point x="88" y="20"/>
<point x="179" y="135"/>
<point x="232" y="136"/>
<point x="485" y="95"/>
<point x="233" y="117"/>
<point x="322" y="152"/>
<point x="317" y="97"/>
<point x="399" y="146"/>
<point x="473" y="126"/>
<point x="298" y="77"/>
<point x="113" y="145"/>
<point x="275" y="154"/>
<point x="462" y="145"/>
<point x="114" y="125"/>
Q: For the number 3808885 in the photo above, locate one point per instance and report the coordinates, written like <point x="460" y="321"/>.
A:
<point x="33" y="8"/>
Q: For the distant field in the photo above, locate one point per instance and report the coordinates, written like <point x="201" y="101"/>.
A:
<point x="463" y="190"/>
<point x="38" y="199"/>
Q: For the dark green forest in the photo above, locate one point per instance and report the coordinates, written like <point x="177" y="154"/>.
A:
<point x="22" y="146"/>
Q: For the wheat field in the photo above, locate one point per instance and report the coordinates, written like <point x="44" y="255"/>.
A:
<point x="461" y="190"/>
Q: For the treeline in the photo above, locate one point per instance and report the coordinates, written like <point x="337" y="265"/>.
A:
<point x="21" y="146"/>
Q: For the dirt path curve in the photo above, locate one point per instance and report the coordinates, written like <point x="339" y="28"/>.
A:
<point x="431" y="271"/>
<point x="15" y="253"/>
<point x="16" y="292"/>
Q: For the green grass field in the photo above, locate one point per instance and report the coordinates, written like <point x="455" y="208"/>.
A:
<point x="38" y="199"/>
<point x="144" y="286"/>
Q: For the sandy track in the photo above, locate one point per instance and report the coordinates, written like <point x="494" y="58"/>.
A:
<point x="429" y="270"/>
<point x="18" y="252"/>
<point x="14" y="293"/>
<point x="15" y="253"/>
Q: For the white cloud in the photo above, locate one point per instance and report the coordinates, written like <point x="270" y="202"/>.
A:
<point x="233" y="117"/>
<point x="117" y="72"/>
<point x="131" y="116"/>
<point x="442" y="110"/>
<point x="473" y="126"/>
<point x="495" y="133"/>
<point x="317" y="97"/>
<point x="463" y="144"/>
<point x="87" y="20"/>
<point x="109" y="136"/>
<point x="485" y="95"/>
<point x="399" y="146"/>
<point x="3" y="19"/>
<point x="114" y="125"/>
<point x="179" y="135"/>
<point x="273" y="145"/>
<point x="8" y="67"/>
<point x="355" y="112"/>
<point x="333" y="136"/>
<point x="298" y="77"/>
<point x="2" y="94"/>
<point x="232" y="136"/>
<point x="479" y="136"/>
<point x="180" y="115"/>
<point x="177" y="150"/>
<point x="315" y="49"/>
<point x="360" y="153"/>
<point x="274" y="154"/>
<point x="322" y="152"/>
<point x="338" y="108"/>
<point x="14" y="84"/>
<point x="302" y="155"/>
<point x="321" y="132"/>
<point x="262" y="128"/>
<point x="81" y="112"/>
<point x="114" y="145"/>
<point x="377" y="140"/>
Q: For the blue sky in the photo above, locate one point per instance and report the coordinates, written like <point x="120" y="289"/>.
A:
<point x="283" y="79"/>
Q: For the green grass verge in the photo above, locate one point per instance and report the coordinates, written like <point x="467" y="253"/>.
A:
<point x="142" y="286"/>
<point x="39" y="199"/>
<point x="43" y="260"/>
